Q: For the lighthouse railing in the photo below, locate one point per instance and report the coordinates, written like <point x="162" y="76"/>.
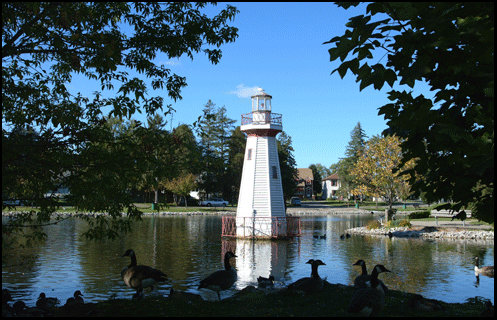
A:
<point x="268" y="118"/>
<point x="258" y="227"/>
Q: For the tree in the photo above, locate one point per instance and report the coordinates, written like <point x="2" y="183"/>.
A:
<point x="288" y="165"/>
<point x="189" y="153"/>
<point x="356" y="144"/>
<point x="118" y="45"/>
<point x="160" y="163"/>
<point x="215" y="128"/>
<point x="182" y="185"/>
<point x="323" y="171"/>
<point x="354" y="148"/>
<point x="373" y="172"/>
<point x="316" y="187"/>
<point x="450" y="47"/>
<point x="236" y="147"/>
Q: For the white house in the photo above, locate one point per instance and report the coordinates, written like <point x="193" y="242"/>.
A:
<point x="330" y="185"/>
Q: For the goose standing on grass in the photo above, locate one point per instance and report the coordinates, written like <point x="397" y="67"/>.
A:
<point x="368" y="301"/>
<point x="222" y="279"/>
<point x="312" y="284"/>
<point x="265" y="282"/>
<point x="486" y="271"/>
<point x="139" y="276"/>
<point x="364" y="280"/>
<point x="76" y="299"/>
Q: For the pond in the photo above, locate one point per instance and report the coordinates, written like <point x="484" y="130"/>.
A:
<point x="188" y="248"/>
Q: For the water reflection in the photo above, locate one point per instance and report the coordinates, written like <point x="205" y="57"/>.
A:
<point x="188" y="248"/>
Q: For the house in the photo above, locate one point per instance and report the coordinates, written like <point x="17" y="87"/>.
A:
<point x="330" y="185"/>
<point x="305" y="183"/>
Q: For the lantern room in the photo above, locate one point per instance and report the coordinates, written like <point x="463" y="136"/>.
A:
<point x="261" y="102"/>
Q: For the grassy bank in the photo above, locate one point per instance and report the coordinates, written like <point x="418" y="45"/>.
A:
<point x="144" y="207"/>
<point x="332" y="301"/>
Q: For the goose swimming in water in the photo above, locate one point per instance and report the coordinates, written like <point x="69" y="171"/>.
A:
<point x="265" y="282"/>
<point x="139" y="276"/>
<point x="223" y="279"/>
<point x="312" y="284"/>
<point x="486" y="271"/>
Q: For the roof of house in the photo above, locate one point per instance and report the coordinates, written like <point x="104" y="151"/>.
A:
<point x="332" y="177"/>
<point x="305" y="174"/>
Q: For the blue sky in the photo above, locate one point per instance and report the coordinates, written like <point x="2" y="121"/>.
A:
<point x="280" y="48"/>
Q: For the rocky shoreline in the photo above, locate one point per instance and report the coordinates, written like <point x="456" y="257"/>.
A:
<point x="426" y="232"/>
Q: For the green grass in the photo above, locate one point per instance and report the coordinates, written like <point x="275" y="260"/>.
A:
<point x="332" y="301"/>
<point x="144" y="207"/>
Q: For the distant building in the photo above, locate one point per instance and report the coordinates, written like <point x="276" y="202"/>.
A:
<point x="305" y="185"/>
<point x="330" y="185"/>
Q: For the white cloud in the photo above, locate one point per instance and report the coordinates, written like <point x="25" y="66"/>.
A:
<point x="244" y="92"/>
<point x="172" y="62"/>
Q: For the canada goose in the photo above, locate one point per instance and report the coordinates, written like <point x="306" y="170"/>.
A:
<point x="222" y="279"/>
<point x="312" y="284"/>
<point x="45" y="303"/>
<point x="364" y="280"/>
<point x="265" y="282"/>
<point x="139" y="276"/>
<point x="368" y="301"/>
<point x="76" y="299"/>
<point x="486" y="271"/>
<point x="418" y="302"/>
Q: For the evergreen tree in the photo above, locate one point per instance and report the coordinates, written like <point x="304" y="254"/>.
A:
<point x="236" y="147"/>
<point x="215" y="129"/>
<point x="356" y="144"/>
<point x="316" y="186"/>
<point x="352" y="153"/>
<point x="288" y="165"/>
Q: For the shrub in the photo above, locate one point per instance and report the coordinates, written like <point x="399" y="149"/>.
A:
<point x="373" y="224"/>
<point x="391" y="224"/>
<point x="405" y="223"/>
<point x="419" y="214"/>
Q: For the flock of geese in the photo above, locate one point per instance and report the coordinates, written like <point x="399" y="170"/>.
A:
<point x="43" y="307"/>
<point x="368" y="298"/>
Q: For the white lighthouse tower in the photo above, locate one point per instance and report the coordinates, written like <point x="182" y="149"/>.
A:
<point x="261" y="205"/>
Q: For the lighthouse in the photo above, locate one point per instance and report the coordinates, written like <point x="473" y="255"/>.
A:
<point x="261" y="205"/>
